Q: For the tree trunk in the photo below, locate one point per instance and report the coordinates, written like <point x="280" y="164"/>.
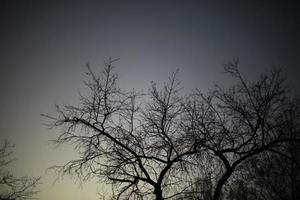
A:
<point x="221" y="182"/>
<point x="158" y="193"/>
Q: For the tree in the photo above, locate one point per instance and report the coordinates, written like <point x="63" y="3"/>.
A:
<point x="14" y="188"/>
<point x="147" y="145"/>
<point x="267" y="177"/>
<point x="243" y="121"/>
<point x="274" y="176"/>
<point x="132" y="141"/>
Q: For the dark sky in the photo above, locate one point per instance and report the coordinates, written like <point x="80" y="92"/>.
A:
<point x="44" y="46"/>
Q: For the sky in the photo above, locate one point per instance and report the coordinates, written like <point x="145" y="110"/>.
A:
<point x="45" y="45"/>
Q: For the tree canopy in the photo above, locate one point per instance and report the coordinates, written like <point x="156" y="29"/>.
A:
<point x="157" y="145"/>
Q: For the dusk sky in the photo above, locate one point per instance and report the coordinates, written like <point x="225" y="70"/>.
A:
<point x="44" y="46"/>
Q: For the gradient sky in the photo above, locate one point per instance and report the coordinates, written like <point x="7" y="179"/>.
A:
<point x="44" y="47"/>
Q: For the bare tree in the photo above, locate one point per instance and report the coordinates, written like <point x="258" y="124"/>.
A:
<point x="11" y="187"/>
<point x="242" y="122"/>
<point x="134" y="142"/>
<point x="268" y="176"/>
<point x="147" y="146"/>
<point x="274" y="176"/>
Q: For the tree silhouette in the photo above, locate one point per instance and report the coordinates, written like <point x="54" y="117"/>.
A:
<point x="271" y="176"/>
<point x="132" y="141"/>
<point x="147" y="145"/>
<point x="243" y="121"/>
<point x="11" y="187"/>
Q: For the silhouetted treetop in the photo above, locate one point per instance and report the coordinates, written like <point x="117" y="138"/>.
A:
<point x="156" y="145"/>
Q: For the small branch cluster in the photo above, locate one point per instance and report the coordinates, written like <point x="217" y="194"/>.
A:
<point x="14" y="188"/>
